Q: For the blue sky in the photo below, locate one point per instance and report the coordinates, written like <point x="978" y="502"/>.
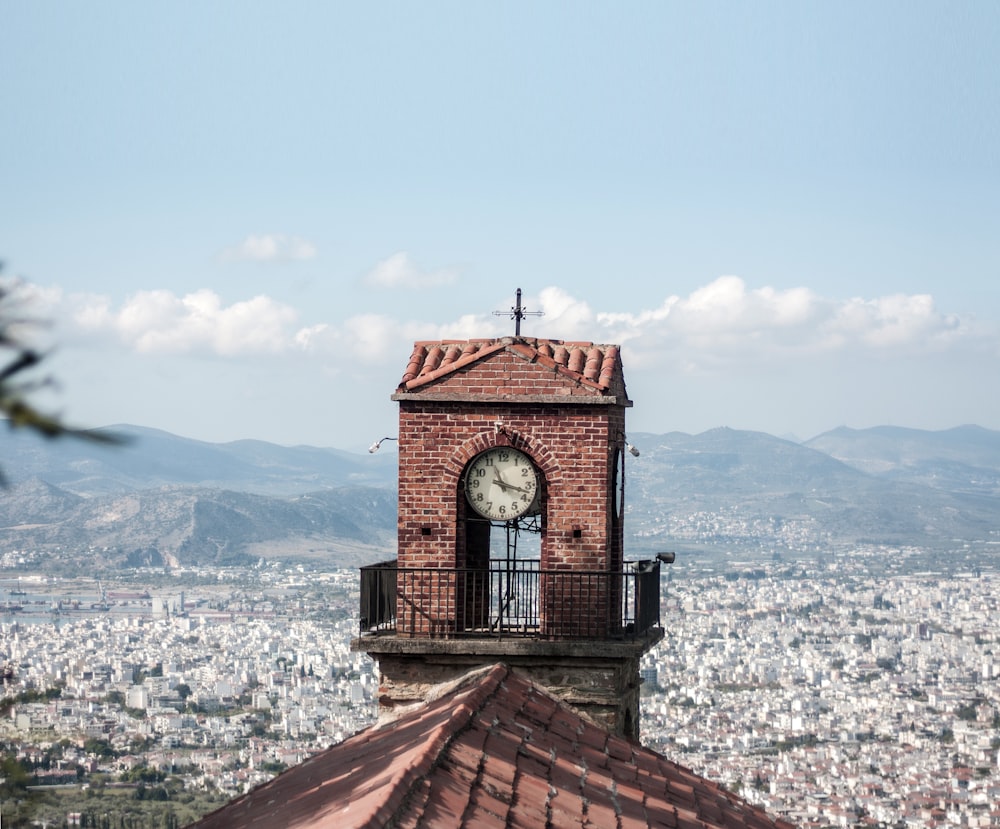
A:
<point x="239" y="216"/>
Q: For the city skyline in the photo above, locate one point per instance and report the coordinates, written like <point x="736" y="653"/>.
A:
<point x="239" y="218"/>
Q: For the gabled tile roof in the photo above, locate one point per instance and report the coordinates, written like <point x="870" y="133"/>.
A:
<point x="587" y="363"/>
<point x="493" y="751"/>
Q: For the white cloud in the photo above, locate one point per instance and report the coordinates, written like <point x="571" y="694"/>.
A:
<point x="311" y="338"/>
<point x="161" y="322"/>
<point x="569" y="316"/>
<point x="372" y="337"/>
<point x="91" y="312"/>
<point x="271" y="247"/>
<point x="399" y="271"/>
<point x="470" y="327"/>
<point x="726" y="324"/>
<point x="722" y="325"/>
<point x="894" y="321"/>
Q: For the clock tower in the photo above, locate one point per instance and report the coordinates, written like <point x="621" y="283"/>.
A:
<point x="512" y="469"/>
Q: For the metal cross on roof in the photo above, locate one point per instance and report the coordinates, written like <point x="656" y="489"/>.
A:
<point x="517" y="313"/>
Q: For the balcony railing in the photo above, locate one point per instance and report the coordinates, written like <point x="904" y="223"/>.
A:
<point x="510" y="599"/>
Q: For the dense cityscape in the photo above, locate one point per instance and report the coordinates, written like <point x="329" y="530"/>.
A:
<point x="821" y="691"/>
<point x="834" y="697"/>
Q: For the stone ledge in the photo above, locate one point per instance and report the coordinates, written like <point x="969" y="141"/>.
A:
<point x="390" y="644"/>
<point x="473" y="397"/>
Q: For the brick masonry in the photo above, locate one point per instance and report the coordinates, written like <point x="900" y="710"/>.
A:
<point x="574" y="446"/>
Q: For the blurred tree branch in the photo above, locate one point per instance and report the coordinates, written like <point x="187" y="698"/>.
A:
<point x="16" y="382"/>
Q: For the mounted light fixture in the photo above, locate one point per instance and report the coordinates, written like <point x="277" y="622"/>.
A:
<point x="377" y="444"/>
<point x="631" y="449"/>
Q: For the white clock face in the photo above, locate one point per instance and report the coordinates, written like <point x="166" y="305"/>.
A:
<point x="501" y="483"/>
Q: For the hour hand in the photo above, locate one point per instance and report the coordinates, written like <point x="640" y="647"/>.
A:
<point x="502" y="483"/>
<point x="511" y="486"/>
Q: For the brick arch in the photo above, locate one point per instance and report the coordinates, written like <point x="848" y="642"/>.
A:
<point x="544" y="460"/>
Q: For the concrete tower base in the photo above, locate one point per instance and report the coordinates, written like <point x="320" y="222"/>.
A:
<point x="599" y="678"/>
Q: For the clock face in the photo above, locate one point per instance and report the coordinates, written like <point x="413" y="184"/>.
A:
<point x="501" y="483"/>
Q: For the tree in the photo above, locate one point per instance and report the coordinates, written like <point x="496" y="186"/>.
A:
<point x="17" y="382"/>
<point x="98" y="746"/>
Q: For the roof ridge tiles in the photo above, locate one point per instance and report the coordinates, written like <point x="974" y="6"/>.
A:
<point x="586" y="363"/>
<point x="432" y="373"/>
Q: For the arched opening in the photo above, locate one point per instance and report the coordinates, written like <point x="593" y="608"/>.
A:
<point x="499" y="562"/>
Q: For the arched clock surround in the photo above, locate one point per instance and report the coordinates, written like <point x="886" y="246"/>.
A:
<point x="474" y="532"/>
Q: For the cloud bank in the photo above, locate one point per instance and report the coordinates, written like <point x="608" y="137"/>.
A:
<point x="726" y="324"/>
<point x="718" y="326"/>
<point x="160" y="322"/>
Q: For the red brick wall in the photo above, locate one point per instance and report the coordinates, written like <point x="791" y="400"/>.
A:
<point x="573" y="446"/>
<point x="572" y="443"/>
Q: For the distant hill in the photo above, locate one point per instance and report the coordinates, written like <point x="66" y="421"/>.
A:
<point x="963" y="459"/>
<point x="161" y="498"/>
<point x="153" y="458"/>
<point x="175" y="526"/>
<point x="751" y="491"/>
<point x="167" y="499"/>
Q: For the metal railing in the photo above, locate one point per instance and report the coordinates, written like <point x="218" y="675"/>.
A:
<point x="510" y="599"/>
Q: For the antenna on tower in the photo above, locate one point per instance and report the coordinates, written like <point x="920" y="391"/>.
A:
<point x="517" y="313"/>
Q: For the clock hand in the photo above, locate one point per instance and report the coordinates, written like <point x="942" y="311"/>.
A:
<point x="511" y="486"/>
<point x="502" y="483"/>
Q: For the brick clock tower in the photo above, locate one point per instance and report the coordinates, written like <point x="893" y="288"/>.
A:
<point x="510" y="539"/>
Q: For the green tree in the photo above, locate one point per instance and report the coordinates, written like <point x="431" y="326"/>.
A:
<point x="95" y="745"/>
<point x="969" y="713"/>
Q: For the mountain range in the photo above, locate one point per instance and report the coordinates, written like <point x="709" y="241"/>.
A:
<point x="730" y="489"/>
<point x="164" y="499"/>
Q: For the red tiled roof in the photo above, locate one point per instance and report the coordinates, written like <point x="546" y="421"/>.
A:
<point x="495" y="750"/>
<point x="587" y="363"/>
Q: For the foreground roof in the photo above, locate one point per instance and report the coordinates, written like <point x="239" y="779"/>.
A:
<point x="492" y="751"/>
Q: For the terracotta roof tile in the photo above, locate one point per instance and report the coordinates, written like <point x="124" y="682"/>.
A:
<point x="493" y="750"/>
<point x="661" y="815"/>
<point x="583" y="362"/>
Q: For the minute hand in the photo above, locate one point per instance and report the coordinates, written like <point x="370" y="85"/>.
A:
<point x="505" y="485"/>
